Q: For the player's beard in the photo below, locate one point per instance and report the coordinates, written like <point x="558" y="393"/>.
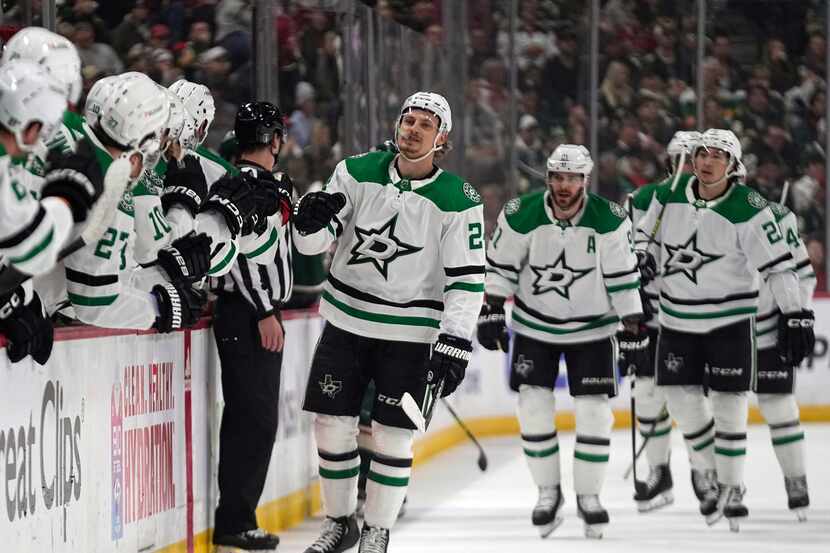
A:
<point x="566" y="202"/>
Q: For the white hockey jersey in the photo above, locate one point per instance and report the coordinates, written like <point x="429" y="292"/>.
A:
<point x="711" y="254"/>
<point x="766" y="323"/>
<point x="572" y="281"/>
<point x="639" y="203"/>
<point x="409" y="263"/>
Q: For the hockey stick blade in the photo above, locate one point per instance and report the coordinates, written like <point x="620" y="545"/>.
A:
<point x="411" y="409"/>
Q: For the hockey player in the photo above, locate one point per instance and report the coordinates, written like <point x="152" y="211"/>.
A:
<point x="775" y="385"/>
<point x="715" y="236"/>
<point x="653" y="418"/>
<point x="129" y="125"/>
<point x="566" y="258"/>
<point x="408" y="271"/>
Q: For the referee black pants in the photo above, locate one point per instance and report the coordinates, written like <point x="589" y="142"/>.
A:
<point x="251" y="388"/>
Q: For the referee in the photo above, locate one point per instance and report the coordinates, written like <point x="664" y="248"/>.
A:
<point x="250" y="338"/>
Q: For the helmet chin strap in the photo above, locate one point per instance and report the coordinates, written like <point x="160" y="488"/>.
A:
<point x="727" y="174"/>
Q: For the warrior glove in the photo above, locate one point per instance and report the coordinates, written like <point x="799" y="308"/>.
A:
<point x="179" y="305"/>
<point x="450" y="356"/>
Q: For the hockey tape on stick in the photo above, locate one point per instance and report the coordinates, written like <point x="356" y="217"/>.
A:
<point x="784" y="192"/>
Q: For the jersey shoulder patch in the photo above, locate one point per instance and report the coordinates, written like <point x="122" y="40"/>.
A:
<point x="602" y="214"/>
<point x="127" y="204"/>
<point x="780" y="211"/>
<point x="527" y="213"/>
<point x="742" y="204"/>
<point x="370" y="167"/>
<point x="450" y="193"/>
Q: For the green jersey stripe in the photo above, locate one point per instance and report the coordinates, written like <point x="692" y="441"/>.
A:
<point x="710" y="315"/>
<point x="264" y="247"/>
<point x="224" y="263"/>
<point x="42" y="245"/>
<point x="92" y="301"/>
<point x="379" y="317"/>
<point x="551" y="330"/>
<point x="629" y="286"/>
<point x="465" y="286"/>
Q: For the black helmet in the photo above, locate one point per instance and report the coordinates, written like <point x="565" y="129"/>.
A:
<point x="257" y="123"/>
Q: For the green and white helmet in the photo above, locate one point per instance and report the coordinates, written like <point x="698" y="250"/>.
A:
<point x="683" y="142"/>
<point x="53" y="52"/>
<point x="199" y="114"/>
<point x="724" y="139"/>
<point x="29" y="94"/>
<point x="433" y="103"/>
<point x="100" y="91"/>
<point x="571" y="158"/>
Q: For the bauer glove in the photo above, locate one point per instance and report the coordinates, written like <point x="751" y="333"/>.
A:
<point x="184" y="185"/>
<point x="186" y="259"/>
<point x="633" y="342"/>
<point x="75" y="177"/>
<point x="492" y="329"/>
<point x="796" y="337"/>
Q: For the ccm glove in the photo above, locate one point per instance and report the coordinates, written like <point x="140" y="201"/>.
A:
<point x="184" y="184"/>
<point x="647" y="266"/>
<point x="796" y="337"/>
<point x="75" y="177"/>
<point x="492" y="329"/>
<point x="180" y="306"/>
<point x="450" y="356"/>
<point x="26" y="326"/>
<point x="316" y="210"/>
<point x="233" y="198"/>
<point x="186" y="259"/>
<point x="634" y="356"/>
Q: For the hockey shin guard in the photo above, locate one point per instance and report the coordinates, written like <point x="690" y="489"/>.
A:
<point x="781" y="414"/>
<point x="653" y="420"/>
<point x="389" y="472"/>
<point x="731" y="411"/>
<point x="339" y="463"/>
<point x="693" y="413"/>
<point x="540" y="443"/>
<point x="593" y="443"/>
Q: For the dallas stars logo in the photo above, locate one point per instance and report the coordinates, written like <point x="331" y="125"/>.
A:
<point x="330" y="386"/>
<point x="523" y="366"/>
<point x="557" y="277"/>
<point x="687" y="259"/>
<point x="380" y="247"/>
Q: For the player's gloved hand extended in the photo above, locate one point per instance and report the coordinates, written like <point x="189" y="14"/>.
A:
<point x="273" y="193"/>
<point x="235" y="198"/>
<point x="75" y="177"/>
<point x="633" y="343"/>
<point x="180" y="306"/>
<point x="26" y="326"/>
<point x="316" y="210"/>
<point x="647" y="266"/>
<point x="492" y="329"/>
<point x="450" y="356"/>
<point x="186" y="259"/>
<point x="796" y="337"/>
<point x="184" y="185"/>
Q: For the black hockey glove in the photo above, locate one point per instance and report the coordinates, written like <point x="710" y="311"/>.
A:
<point x="316" y="210"/>
<point x="492" y="330"/>
<point x="796" y="337"/>
<point x="450" y="356"/>
<point x="233" y="197"/>
<point x="75" y="177"/>
<point x="386" y="146"/>
<point x="633" y="343"/>
<point x="647" y="266"/>
<point x="186" y="259"/>
<point x="184" y="185"/>
<point x="648" y="309"/>
<point x="180" y="306"/>
<point x="285" y="190"/>
<point x="27" y="327"/>
<point x="273" y="195"/>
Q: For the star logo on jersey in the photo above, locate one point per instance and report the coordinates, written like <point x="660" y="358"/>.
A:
<point x="557" y="277"/>
<point x="329" y="386"/>
<point x="673" y="362"/>
<point x="380" y="247"/>
<point x="687" y="259"/>
<point x="523" y="366"/>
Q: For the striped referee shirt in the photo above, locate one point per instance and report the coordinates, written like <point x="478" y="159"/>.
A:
<point x="264" y="286"/>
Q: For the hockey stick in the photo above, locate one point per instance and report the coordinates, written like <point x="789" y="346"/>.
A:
<point x="482" y="457"/>
<point x="677" y="172"/>
<point x="116" y="181"/>
<point x="631" y="468"/>
<point x="784" y="192"/>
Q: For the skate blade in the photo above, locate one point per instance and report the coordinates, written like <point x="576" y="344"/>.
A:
<point x="734" y="525"/>
<point x="801" y="514"/>
<point x="233" y="549"/>
<point x="594" y="531"/>
<point x="546" y="530"/>
<point x="714" y="517"/>
<point x="662" y="500"/>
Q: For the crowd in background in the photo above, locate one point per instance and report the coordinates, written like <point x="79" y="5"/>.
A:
<point x="764" y="76"/>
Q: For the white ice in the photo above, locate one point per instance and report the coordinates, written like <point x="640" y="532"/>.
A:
<point x="454" y="508"/>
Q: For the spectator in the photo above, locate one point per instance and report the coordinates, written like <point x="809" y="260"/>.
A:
<point x="812" y="184"/>
<point x="530" y="155"/>
<point x="653" y="120"/>
<point x="616" y="96"/>
<point x="94" y="53"/>
<point x="732" y="77"/>
<point x="168" y="73"/>
<point x="159" y="36"/>
<point x="815" y="249"/>
<point x="782" y="69"/>
<point x="768" y="177"/>
<point x="561" y="79"/>
<point x="132" y="30"/>
<point x="303" y="118"/>
<point x="214" y="67"/>
<point x="756" y="114"/>
<point x="664" y="60"/>
<point x="233" y="29"/>
<point x="814" y="58"/>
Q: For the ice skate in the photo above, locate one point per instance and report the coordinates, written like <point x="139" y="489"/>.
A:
<point x="656" y="492"/>
<point x="710" y="506"/>
<point x="373" y="539"/>
<point x="251" y="540"/>
<point x="797" y="497"/>
<point x="547" y="514"/>
<point x="733" y="507"/>
<point x="698" y="484"/>
<point x="589" y="509"/>
<point x="337" y="536"/>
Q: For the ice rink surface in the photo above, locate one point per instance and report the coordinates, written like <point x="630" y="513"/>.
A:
<point x="454" y="508"/>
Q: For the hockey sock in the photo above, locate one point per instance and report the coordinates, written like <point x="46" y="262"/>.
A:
<point x="539" y="440"/>
<point x="731" y="411"/>
<point x="593" y="443"/>
<point x="339" y="463"/>
<point x="654" y="421"/>
<point x="781" y="414"/>
<point x="389" y="472"/>
<point x="693" y="413"/>
<point x="364" y="448"/>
